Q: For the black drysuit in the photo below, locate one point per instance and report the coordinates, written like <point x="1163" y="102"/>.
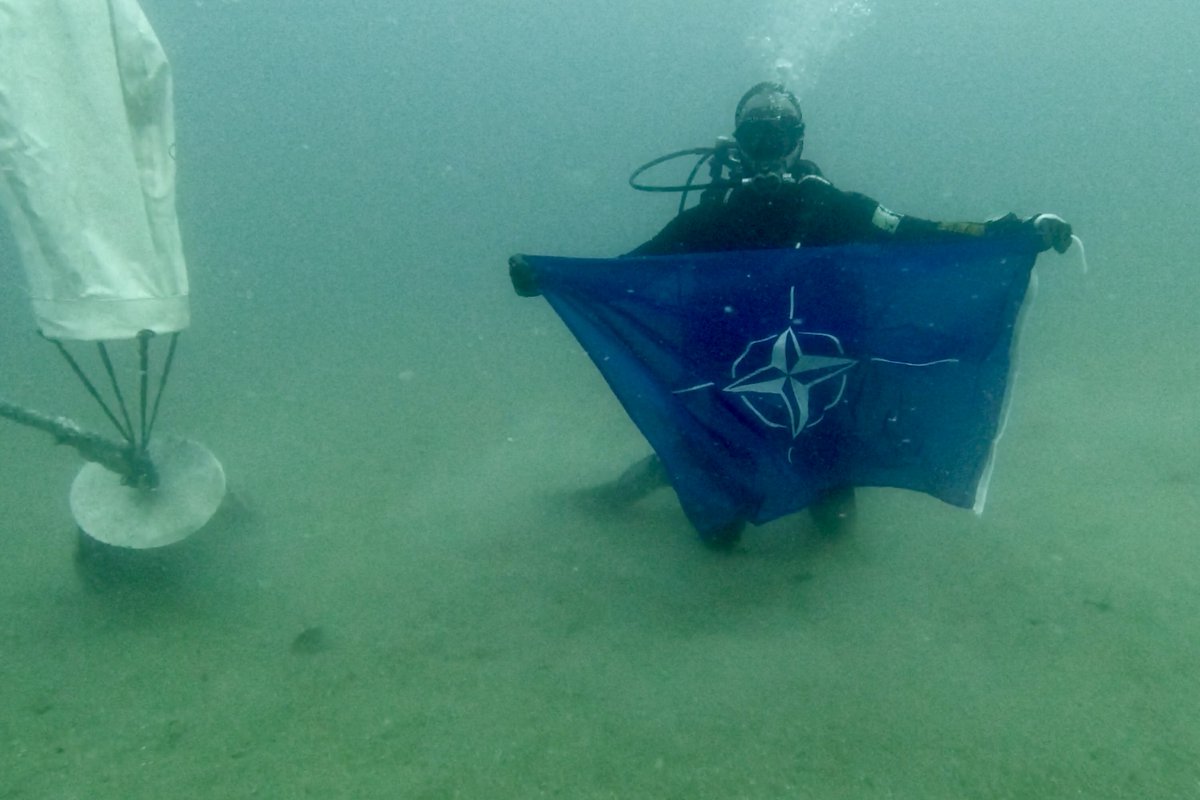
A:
<point x="811" y="212"/>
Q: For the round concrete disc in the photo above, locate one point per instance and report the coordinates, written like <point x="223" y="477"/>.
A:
<point x="191" y="484"/>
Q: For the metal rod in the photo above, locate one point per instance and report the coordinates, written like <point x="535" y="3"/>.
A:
<point x="123" y="459"/>
<point x="143" y="370"/>
<point x="162" y="385"/>
<point x="116" y="386"/>
<point x="91" y="389"/>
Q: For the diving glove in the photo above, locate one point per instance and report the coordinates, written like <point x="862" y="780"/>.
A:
<point x="522" y="277"/>
<point x="1054" y="230"/>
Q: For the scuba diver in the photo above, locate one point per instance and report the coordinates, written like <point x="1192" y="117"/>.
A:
<point x="763" y="195"/>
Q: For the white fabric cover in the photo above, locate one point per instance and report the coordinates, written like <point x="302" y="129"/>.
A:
<point x="86" y="171"/>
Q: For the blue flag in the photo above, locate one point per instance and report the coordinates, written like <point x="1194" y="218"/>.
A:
<point x="764" y="378"/>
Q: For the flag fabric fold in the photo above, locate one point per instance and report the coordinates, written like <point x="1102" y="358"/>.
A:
<point x="764" y="378"/>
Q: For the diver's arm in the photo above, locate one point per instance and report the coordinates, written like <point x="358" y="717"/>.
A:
<point x="1052" y="231"/>
<point x="692" y="231"/>
<point x="857" y="217"/>
<point x="666" y="242"/>
<point x="916" y="229"/>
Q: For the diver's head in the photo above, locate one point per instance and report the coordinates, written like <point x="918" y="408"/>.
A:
<point x="769" y="130"/>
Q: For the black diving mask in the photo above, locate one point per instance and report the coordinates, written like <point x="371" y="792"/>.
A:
<point x="766" y="143"/>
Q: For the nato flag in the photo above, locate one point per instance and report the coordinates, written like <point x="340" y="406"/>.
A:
<point x="764" y="378"/>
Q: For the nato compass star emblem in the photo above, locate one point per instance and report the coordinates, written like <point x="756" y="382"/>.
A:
<point x="803" y="376"/>
<point x="790" y="379"/>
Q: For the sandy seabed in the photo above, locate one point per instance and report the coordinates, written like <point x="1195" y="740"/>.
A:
<point x="402" y="600"/>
